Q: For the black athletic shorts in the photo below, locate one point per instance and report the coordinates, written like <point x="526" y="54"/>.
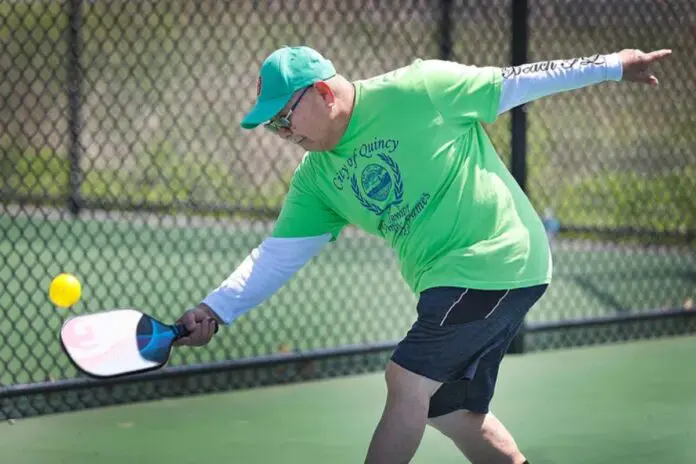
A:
<point x="460" y="338"/>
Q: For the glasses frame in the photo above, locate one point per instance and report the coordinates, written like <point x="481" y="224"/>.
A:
<point x="283" y="122"/>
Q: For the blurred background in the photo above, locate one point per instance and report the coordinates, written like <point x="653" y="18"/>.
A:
<point x="122" y="162"/>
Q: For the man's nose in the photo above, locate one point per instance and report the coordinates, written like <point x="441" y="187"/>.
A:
<point x="284" y="133"/>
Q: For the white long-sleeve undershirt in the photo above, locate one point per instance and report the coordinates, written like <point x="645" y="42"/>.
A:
<point x="522" y="84"/>
<point x="267" y="268"/>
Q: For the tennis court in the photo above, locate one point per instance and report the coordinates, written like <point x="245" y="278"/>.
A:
<point x="351" y="294"/>
<point x="114" y="109"/>
<point x="623" y="403"/>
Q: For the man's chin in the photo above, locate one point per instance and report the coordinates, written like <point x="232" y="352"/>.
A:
<point x="310" y="145"/>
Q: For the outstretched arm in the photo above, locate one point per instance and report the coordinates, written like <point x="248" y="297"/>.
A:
<point x="305" y="225"/>
<point x="528" y="82"/>
<point x="262" y="273"/>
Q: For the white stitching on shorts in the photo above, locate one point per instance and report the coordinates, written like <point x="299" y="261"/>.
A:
<point x="497" y="304"/>
<point x="453" y="305"/>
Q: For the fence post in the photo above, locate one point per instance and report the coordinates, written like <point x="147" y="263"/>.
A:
<point x="74" y="87"/>
<point x="519" y="48"/>
<point x="445" y="29"/>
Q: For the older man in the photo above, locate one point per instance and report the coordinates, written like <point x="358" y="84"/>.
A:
<point x="404" y="156"/>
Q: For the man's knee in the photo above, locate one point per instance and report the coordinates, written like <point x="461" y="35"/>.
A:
<point x="404" y="383"/>
<point x="447" y="422"/>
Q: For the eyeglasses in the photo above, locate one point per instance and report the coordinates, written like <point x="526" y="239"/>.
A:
<point x="283" y="122"/>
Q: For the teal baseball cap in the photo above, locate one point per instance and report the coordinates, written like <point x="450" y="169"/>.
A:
<point x="284" y="72"/>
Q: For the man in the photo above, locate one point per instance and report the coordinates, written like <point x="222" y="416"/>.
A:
<point x="404" y="156"/>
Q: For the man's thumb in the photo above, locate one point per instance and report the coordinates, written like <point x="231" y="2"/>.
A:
<point x="189" y="321"/>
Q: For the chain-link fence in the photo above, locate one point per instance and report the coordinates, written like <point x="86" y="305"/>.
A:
<point x="128" y="114"/>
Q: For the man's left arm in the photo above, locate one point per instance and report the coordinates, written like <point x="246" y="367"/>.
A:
<point x="528" y="82"/>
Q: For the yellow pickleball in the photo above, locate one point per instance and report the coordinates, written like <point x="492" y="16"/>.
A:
<point x="65" y="290"/>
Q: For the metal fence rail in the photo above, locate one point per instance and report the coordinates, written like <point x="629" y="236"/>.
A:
<point x="122" y="162"/>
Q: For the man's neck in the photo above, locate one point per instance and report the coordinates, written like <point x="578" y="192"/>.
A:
<point x="346" y="104"/>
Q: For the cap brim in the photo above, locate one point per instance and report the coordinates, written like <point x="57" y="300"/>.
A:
<point x="263" y="111"/>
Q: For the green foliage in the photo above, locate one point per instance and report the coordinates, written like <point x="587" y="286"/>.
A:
<point x="27" y="28"/>
<point x="31" y="17"/>
<point x="162" y="177"/>
<point x="655" y="201"/>
<point x="31" y="172"/>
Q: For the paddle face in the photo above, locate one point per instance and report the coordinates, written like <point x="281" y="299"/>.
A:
<point x="117" y="342"/>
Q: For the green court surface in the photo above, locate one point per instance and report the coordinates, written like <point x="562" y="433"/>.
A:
<point x="630" y="403"/>
<point x="351" y="293"/>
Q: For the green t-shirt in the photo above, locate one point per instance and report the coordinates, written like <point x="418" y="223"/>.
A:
<point x="416" y="168"/>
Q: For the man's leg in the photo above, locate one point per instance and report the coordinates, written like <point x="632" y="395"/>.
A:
<point x="481" y="437"/>
<point x="457" y="331"/>
<point x="460" y="411"/>
<point x="405" y="415"/>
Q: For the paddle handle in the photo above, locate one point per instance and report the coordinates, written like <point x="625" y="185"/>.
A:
<point x="181" y="331"/>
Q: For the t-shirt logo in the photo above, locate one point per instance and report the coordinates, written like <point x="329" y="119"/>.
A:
<point x="377" y="183"/>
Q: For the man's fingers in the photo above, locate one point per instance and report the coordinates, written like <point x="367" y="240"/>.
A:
<point x="658" y="54"/>
<point x="192" y="318"/>
<point x="204" y="332"/>
<point x="647" y="79"/>
<point x="193" y="339"/>
<point x="201" y="333"/>
<point x="189" y="321"/>
<point x="182" y="341"/>
<point x="210" y="329"/>
<point x="200" y="325"/>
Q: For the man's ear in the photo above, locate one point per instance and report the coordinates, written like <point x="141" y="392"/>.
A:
<point x="327" y="94"/>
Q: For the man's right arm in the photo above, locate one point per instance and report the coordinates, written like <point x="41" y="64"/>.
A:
<point x="262" y="273"/>
<point x="306" y="224"/>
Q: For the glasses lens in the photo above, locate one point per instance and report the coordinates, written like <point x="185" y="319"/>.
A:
<point x="270" y="126"/>
<point x="277" y="124"/>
